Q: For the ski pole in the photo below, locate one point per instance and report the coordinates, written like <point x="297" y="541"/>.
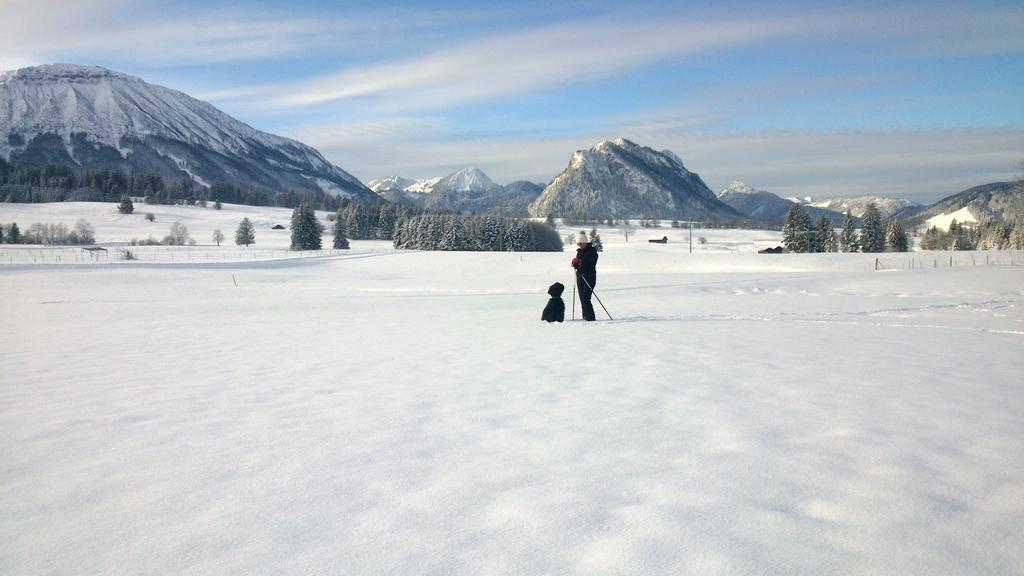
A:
<point x="574" y="300"/>
<point x="595" y="295"/>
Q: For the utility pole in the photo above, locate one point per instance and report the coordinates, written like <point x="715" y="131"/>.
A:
<point x="690" y="224"/>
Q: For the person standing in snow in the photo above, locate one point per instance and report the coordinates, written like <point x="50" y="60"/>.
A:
<point x="585" y="264"/>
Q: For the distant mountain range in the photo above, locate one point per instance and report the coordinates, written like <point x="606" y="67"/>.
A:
<point x="92" y="118"/>
<point x="621" y="179"/>
<point x="764" y="206"/>
<point x="468" y="190"/>
<point x="888" y="207"/>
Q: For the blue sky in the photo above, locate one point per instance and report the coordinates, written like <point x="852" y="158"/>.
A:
<point x="916" y="100"/>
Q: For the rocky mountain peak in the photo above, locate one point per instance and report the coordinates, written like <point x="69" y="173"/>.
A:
<point x="621" y="179"/>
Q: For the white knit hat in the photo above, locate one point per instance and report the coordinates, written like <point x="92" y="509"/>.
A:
<point x="581" y="238"/>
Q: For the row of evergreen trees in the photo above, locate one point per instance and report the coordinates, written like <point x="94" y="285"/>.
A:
<point x="876" y="234"/>
<point x="985" y="236"/>
<point x="373" y="220"/>
<point x="416" y="229"/>
<point x="475" y="233"/>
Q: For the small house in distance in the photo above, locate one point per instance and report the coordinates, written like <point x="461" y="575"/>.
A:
<point x="658" y="239"/>
<point x="277" y="227"/>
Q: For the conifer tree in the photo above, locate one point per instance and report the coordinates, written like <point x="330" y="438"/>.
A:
<point x="848" y="241"/>
<point x="305" y="228"/>
<point x="246" y="233"/>
<point x="217" y="205"/>
<point x="872" y="235"/>
<point x="126" y="206"/>
<point x="420" y="233"/>
<point x="825" y="239"/>
<point x="1" y="234"/>
<point x="1017" y="236"/>
<point x="933" y="239"/>
<point x="896" y="239"/>
<point x="340" y="242"/>
<point x="453" y="234"/>
<point x="491" y="234"/>
<point x="387" y="217"/>
<point x="595" y="240"/>
<point x="797" y="235"/>
<point x="516" y="236"/>
<point x="14" y="234"/>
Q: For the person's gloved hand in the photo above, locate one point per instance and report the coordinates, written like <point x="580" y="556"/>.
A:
<point x="576" y="262"/>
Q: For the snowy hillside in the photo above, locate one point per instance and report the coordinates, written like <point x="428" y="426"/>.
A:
<point x="998" y="201"/>
<point x="113" y="227"/>
<point x="407" y="413"/>
<point x="94" y="118"/>
<point x="887" y="207"/>
<point x="943" y="220"/>
<point x="621" y="179"/>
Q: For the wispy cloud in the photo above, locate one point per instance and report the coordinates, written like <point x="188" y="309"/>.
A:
<point x="539" y="59"/>
<point x="555" y="56"/>
<point x="144" y="34"/>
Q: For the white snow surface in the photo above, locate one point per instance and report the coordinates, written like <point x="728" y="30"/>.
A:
<point x="942" y="221"/>
<point x="384" y="412"/>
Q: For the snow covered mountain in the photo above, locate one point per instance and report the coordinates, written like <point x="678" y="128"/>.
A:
<point x="389" y="184"/>
<point x="764" y="206"/>
<point x="998" y="201"/>
<point x="621" y="179"/>
<point x="467" y="180"/>
<point x="92" y="118"/>
<point x="886" y="206"/>
<point x="468" y="190"/>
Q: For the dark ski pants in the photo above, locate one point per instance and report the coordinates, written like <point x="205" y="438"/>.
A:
<point x="585" y="293"/>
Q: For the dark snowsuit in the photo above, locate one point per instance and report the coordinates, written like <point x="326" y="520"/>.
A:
<point x="586" y="269"/>
<point x="555" y="310"/>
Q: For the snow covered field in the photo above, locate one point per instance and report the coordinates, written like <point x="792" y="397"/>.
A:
<point x="382" y="412"/>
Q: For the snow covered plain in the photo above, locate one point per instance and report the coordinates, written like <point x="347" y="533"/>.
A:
<point x="381" y="412"/>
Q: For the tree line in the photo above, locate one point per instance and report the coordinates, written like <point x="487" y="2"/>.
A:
<point x="49" y="233"/>
<point x="413" y="228"/>
<point x="55" y="183"/>
<point x="799" y="234"/>
<point x="475" y="233"/>
<point x="984" y="236"/>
